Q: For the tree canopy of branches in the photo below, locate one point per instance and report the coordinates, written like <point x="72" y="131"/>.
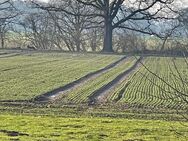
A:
<point x="73" y="27"/>
<point x="119" y="14"/>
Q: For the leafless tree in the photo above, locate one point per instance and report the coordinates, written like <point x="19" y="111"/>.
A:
<point x="73" y="27"/>
<point x="178" y="83"/>
<point x="7" y="14"/>
<point x="119" y="14"/>
<point x="39" y="30"/>
<point x="129" y="41"/>
<point x="94" y="36"/>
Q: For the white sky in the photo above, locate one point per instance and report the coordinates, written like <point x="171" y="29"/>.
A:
<point x="44" y="0"/>
<point x="181" y="3"/>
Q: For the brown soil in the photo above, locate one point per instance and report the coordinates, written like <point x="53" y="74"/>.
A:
<point x="100" y="95"/>
<point x="56" y="93"/>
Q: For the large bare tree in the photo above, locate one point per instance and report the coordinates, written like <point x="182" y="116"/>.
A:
<point x="120" y="14"/>
<point x="73" y="27"/>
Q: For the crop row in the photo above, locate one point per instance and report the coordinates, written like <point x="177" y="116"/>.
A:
<point x="81" y="94"/>
<point x="29" y="75"/>
<point x="158" y="87"/>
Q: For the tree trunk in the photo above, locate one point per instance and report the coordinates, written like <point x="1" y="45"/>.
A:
<point x="2" y="41"/>
<point x="93" y="45"/>
<point x="78" y="43"/>
<point x="94" y="41"/>
<point x="107" y="45"/>
<point x="164" y="43"/>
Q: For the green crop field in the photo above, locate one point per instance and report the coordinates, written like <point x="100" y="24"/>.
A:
<point x="123" y="101"/>
<point x="142" y="88"/>
<point x="80" y="95"/>
<point x="145" y="89"/>
<point x="25" y="76"/>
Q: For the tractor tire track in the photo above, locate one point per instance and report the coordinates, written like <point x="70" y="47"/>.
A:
<point x="7" y="55"/>
<point x="100" y="95"/>
<point x="56" y="93"/>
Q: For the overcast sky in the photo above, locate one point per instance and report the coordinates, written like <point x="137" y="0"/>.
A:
<point x="181" y="3"/>
<point x="44" y="0"/>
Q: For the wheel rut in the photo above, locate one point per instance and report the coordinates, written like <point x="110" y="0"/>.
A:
<point x="56" y="93"/>
<point x="13" y="133"/>
<point x="99" y="96"/>
<point x="7" y="55"/>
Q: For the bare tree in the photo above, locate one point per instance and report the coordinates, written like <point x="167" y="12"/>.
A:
<point x="119" y="14"/>
<point x="73" y="27"/>
<point x="95" y="38"/>
<point x="3" y="31"/>
<point x="7" y="14"/>
<point x="39" y="30"/>
<point x="178" y="82"/>
<point x="129" y="41"/>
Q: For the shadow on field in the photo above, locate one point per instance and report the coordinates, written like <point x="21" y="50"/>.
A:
<point x="13" y="133"/>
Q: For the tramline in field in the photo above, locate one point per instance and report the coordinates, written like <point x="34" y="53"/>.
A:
<point x="120" y="87"/>
<point x="81" y="94"/>
<point x="43" y="72"/>
<point x="25" y="76"/>
<point x="144" y="89"/>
